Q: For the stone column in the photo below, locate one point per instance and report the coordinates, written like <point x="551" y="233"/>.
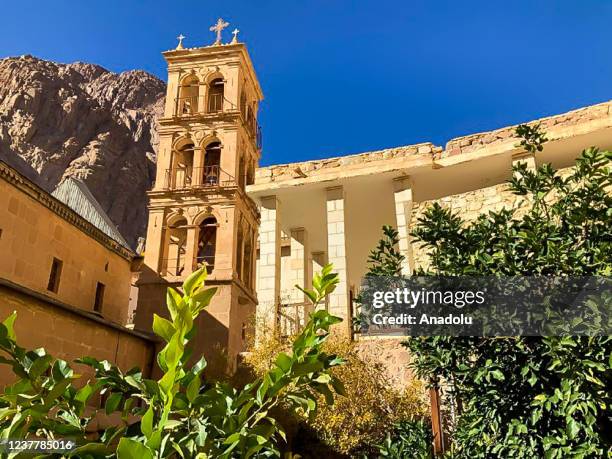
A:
<point x="336" y="250"/>
<point x="197" y="175"/>
<point x="156" y="240"/>
<point x="269" y="264"/>
<point x="190" y="249"/>
<point x="300" y="265"/>
<point x="403" y="214"/>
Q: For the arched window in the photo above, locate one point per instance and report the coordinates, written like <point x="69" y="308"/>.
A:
<point x="182" y="165"/>
<point x="189" y="93"/>
<point x="207" y="244"/>
<point x="239" y="249"/>
<point x="215" y="95"/>
<point x="175" y="262"/>
<point x="250" y="175"/>
<point x="212" y="161"/>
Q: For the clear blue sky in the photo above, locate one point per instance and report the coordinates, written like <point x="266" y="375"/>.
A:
<point x="343" y="77"/>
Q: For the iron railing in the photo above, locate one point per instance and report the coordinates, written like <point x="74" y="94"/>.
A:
<point x="176" y="266"/>
<point x="183" y="177"/>
<point x="217" y="103"/>
<point x="292" y="318"/>
<point x="173" y="266"/>
<point x="194" y="105"/>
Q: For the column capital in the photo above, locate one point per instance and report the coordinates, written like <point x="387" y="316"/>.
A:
<point x="402" y="183"/>
<point x="270" y="200"/>
<point x="525" y="157"/>
<point x="335" y="192"/>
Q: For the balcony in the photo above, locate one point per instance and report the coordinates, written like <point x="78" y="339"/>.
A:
<point x="216" y="104"/>
<point x="176" y="266"/>
<point x="180" y="178"/>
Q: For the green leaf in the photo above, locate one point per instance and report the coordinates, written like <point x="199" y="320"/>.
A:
<point x="9" y="323"/>
<point x="194" y="281"/>
<point x="113" y="402"/>
<point x="163" y="327"/>
<point x="146" y="423"/>
<point x="203" y="297"/>
<point x="283" y="361"/>
<point x="132" y="449"/>
<point x="193" y="389"/>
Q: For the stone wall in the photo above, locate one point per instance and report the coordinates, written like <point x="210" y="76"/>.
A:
<point x="35" y="228"/>
<point x="391" y="355"/>
<point x="469" y="206"/>
<point x="69" y="334"/>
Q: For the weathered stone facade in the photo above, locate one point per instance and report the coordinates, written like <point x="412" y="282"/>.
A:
<point x="67" y="280"/>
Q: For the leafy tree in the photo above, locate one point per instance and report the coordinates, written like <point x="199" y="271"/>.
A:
<point x="179" y="415"/>
<point x="385" y="259"/>
<point x="528" y="397"/>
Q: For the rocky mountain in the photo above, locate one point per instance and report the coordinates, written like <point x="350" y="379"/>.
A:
<point x="80" y="120"/>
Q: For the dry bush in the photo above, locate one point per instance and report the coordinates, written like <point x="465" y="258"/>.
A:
<point x="361" y="419"/>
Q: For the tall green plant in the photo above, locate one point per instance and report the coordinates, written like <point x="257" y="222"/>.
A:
<point x="180" y="414"/>
<point x="385" y="259"/>
<point x="528" y="397"/>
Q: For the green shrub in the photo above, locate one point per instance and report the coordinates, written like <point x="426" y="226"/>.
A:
<point x="179" y="415"/>
<point x="411" y="439"/>
<point x="525" y="397"/>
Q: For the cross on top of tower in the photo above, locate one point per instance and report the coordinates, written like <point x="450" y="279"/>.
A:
<point x="235" y="34"/>
<point x="180" y="38"/>
<point x="218" y="28"/>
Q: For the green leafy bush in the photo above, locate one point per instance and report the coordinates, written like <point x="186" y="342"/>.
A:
<point x="528" y="397"/>
<point x="179" y="415"/>
<point x="408" y="439"/>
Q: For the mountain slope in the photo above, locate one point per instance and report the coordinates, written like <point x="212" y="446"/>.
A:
<point x="80" y="120"/>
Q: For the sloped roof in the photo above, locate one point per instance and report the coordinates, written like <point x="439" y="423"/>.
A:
<point x="75" y="194"/>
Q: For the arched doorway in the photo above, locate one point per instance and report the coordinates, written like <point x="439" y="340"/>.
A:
<point x="182" y="165"/>
<point x="207" y="243"/>
<point x="189" y="93"/>
<point x="212" y="162"/>
<point x="177" y="237"/>
<point x="215" y="95"/>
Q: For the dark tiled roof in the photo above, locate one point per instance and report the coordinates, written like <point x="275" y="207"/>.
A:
<point x="77" y="196"/>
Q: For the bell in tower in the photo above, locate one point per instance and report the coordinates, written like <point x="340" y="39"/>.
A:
<point x="199" y="213"/>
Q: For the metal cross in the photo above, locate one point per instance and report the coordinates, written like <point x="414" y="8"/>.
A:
<point x="180" y="38"/>
<point x="218" y="27"/>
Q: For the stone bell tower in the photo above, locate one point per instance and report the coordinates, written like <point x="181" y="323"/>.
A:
<point x="199" y="212"/>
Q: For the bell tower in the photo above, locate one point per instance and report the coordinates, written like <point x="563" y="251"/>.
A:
<point x="199" y="212"/>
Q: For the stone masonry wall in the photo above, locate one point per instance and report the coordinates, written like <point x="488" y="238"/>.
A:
<point x="469" y="206"/>
<point x="68" y="336"/>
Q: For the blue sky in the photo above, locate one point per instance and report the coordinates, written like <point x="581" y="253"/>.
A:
<point x="344" y="77"/>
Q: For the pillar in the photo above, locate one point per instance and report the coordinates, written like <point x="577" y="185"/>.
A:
<point x="190" y="249"/>
<point x="403" y="214"/>
<point x="197" y="176"/>
<point x="300" y="264"/>
<point x="269" y="264"/>
<point x="336" y="250"/>
<point x="156" y="239"/>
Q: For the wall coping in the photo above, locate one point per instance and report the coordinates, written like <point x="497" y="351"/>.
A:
<point x="76" y="311"/>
